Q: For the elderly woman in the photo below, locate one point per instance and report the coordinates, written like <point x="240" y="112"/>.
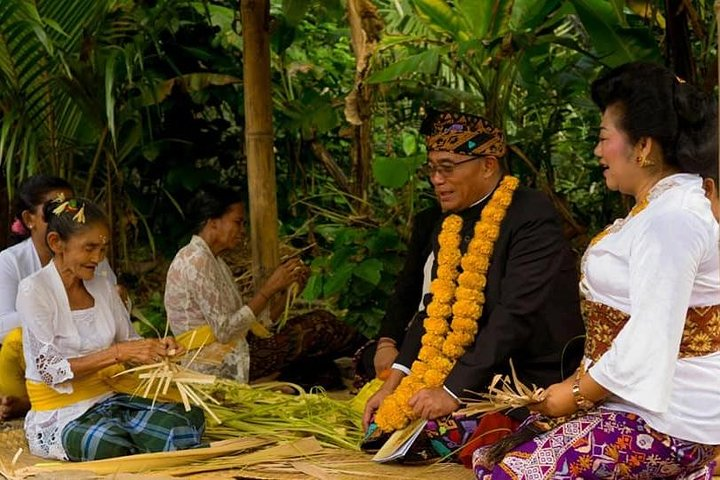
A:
<point x="646" y="401"/>
<point x="74" y="326"/>
<point x="205" y="308"/>
<point x="27" y="256"/>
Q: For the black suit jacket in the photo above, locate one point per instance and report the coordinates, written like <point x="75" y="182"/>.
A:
<point x="531" y="311"/>
<point x="403" y="303"/>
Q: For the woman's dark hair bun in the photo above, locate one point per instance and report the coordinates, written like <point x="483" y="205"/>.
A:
<point x="690" y="104"/>
<point x="654" y="103"/>
<point x="209" y="202"/>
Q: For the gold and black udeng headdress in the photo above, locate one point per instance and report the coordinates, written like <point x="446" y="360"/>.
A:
<point x="462" y="133"/>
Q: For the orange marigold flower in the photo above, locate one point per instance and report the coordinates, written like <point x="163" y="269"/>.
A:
<point x="465" y="324"/>
<point x="447" y="272"/>
<point x="419" y="367"/>
<point x="434" y="341"/>
<point x="448" y="240"/>
<point x="441" y="364"/>
<point x="428" y="353"/>
<point x="472" y="262"/>
<point x="434" y="378"/>
<point x="471" y="295"/>
<point x="439" y="310"/>
<point x="435" y="326"/>
<point x="463" y="338"/>
<point x="448" y="257"/>
<point x="466" y="309"/>
<point x="472" y="280"/>
<point x="452" y="349"/>
<point x="482" y="249"/>
<point x="442" y="290"/>
<point x="452" y="223"/>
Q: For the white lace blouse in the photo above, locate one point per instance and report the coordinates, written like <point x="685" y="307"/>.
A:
<point x="200" y="290"/>
<point x="53" y="334"/>
<point x="16" y="263"/>
<point x="654" y="266"/>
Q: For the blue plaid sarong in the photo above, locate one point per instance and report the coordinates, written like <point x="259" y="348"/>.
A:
<point x="125" y="425"/>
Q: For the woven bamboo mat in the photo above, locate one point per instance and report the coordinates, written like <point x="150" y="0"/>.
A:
<point x="304" y="459"/>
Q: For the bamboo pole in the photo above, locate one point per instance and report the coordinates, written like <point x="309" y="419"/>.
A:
<point x="259" y="138"/>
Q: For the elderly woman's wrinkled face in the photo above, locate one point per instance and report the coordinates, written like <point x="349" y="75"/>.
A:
<point x="81" y="253"/>
<point x="616" y="153"/>
<point x="229" y="228"/>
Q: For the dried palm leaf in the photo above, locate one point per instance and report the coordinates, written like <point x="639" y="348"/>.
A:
<point x="145" y="462"/>
<point x="505" y="392"/>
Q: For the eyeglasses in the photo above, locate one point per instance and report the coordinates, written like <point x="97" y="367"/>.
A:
<point x="445" y="168"/>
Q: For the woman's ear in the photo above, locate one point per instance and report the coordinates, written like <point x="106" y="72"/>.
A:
<point x="710" y="187"/>
<point x="28" y="219"/>
<point x="56" y="244"/>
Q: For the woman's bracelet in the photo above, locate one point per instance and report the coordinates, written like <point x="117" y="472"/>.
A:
<point x="581" y="402"/>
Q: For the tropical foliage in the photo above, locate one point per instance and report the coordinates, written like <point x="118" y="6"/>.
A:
<point x="139" y="102"/>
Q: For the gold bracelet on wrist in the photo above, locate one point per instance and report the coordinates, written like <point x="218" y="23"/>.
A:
<point x="581" y="402"/>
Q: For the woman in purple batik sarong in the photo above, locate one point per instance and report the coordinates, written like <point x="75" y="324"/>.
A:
<point x="645" y="403"/>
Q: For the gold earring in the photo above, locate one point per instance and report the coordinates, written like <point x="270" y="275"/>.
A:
<point x="644" y="161"/>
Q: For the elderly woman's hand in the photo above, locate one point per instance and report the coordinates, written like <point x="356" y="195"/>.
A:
<point x="289" y="272"/>
<point x="149" y="350"/>
<point x="172" y="348"/>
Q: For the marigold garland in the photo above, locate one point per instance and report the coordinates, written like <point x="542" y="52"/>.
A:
<point x="455" y="294"/>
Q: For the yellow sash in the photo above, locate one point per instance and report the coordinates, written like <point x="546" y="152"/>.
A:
<point x="44" y="397"/>
<point x="201" y="336"/>
<point x="196" y="338"/>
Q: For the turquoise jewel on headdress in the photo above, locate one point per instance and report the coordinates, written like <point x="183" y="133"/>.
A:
<point x="472" y="144"/>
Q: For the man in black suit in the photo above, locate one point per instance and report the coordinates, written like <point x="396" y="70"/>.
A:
<point x="531" y="310"/>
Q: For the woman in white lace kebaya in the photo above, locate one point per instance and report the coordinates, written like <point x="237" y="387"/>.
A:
<point x="645" y="402"/>
<point x="204" y="305"/>
<point x="27" y="256"/>
<point x="75" y="326"/>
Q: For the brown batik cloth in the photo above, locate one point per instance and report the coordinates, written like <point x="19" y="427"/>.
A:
<point x="701" y="335"/>
<point x="312" y="335"/>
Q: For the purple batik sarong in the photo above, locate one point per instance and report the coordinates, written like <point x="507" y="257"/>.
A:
<point x="604" y="444"/>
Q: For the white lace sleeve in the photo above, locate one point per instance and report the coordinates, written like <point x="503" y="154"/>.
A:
<point x="198" y="286"/>
<point x="39" y="336"/>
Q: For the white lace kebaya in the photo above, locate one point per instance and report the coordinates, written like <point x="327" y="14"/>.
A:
<point x="52" y="335"/>
<point x="200" y="290"/>
<point x="16" y="263"/>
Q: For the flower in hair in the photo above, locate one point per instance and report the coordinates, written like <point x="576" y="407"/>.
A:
<point x="79" y="217"/>
<point x="18" y="228"/>
<point x="61" y="208"/>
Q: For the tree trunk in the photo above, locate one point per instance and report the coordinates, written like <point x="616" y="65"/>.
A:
<point x="366" y="27"/>
<point x="679" y="50"/>
<point x="259" y="138"/>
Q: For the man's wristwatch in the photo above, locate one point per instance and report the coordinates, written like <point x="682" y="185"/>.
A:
<point x="581" y="402"/>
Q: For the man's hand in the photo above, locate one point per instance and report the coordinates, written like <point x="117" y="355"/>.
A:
<point x="387" y="388"/>
<point x="431" y="403"/>
<point x="372" y="405"/>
